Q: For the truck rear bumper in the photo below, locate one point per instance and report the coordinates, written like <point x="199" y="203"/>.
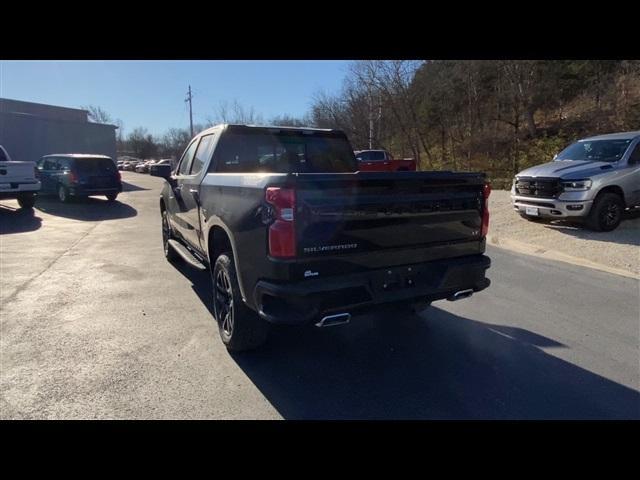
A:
<point x="303" y="302"/>
<point x="12" y="190"/>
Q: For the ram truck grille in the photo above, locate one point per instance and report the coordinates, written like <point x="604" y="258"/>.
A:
<point x="538" y="187"/>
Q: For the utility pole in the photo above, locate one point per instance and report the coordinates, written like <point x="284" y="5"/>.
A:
<point x="188" y="99"/>
<point x="370" y="121"/>
<point x="379" y="116"/>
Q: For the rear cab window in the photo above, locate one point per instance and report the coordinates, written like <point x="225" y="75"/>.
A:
<point x="283" y="151"/>
<point x="376" y="156"/>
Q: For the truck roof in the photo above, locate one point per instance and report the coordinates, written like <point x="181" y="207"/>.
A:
<point x="77" y="155"/>
<point x="264" y="127"/>
<point x="614" y="136"/>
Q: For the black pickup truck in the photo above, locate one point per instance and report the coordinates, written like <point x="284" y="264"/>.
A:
<point x="292" y="233"/>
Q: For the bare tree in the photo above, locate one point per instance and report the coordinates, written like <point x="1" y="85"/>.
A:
<point x="97" y="114"/>
<point x="235" y="113"/>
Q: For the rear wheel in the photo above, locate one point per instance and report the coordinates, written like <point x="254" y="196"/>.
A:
<point x="27" y="200"/>
<point x="63" y="194"/>
<point x="240" y="327"/>
<point x="606" y="213"/>
<point x="169" y="253"/>
<point x="112" y="197"/>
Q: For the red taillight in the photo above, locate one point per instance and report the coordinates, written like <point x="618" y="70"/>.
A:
<point x="282" y="232"/>
<point x="486" y="191"/>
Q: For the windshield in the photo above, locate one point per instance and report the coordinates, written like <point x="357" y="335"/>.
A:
<point x="283" y="152"/>
<point x="595" y="150"/>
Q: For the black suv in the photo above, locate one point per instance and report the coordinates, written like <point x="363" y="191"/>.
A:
<point x="79" y="175"/>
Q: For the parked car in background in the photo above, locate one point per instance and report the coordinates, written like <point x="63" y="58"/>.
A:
<point x="18" y="180"/>
<point x="79" y="175"/>
<point x="120" y="165"/>
<point x="130" y="165"/>
<point x="294" y="234"/>
<point x="143" y="167"/>
<point x="382" y="161"/>
<point x="164" y="161"/>
<point x="593" y="181"/>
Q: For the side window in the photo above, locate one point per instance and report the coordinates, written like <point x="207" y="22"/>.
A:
<point x="50" y="163"/>
<point x="185" y="163"/>
<point x="203" y="154"/>
<point x="63" y="164"/>
<point x="40" y="164"/>
<point x="3" y="157"/>
<point x="634" y="158"/>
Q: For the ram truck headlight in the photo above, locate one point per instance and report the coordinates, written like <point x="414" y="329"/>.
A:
<point x="576" y="185"/>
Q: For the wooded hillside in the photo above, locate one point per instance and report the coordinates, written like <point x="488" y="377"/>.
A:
<point x="497" y="116"/>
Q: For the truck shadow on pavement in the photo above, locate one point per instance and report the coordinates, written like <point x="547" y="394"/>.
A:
<point x="628" y="233"/>
<point x="438" y="366"/>
<point x="200" y="283"/>
<point x="89" y="209"/>
<point x="434" y="366"/>
<point x="18" y="220"/>
<point x="130" y="187"/>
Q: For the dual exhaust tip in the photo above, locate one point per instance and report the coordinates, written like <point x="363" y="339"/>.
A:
<point x="460" y="295"/>
<point x="331" y="320"/>
<point x="342" y="318"/>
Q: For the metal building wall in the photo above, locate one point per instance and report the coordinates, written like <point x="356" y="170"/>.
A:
<point x="29" y="137"/>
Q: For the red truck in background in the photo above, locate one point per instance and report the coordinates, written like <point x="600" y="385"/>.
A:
<point x="382" y="161"/>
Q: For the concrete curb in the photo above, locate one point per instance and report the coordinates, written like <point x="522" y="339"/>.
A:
<point x="533" y="250"/>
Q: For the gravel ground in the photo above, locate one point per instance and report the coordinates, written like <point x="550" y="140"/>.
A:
<point x="617" y="249"/>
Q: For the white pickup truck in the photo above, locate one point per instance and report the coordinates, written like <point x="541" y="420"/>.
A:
<point x="18" y="180"/>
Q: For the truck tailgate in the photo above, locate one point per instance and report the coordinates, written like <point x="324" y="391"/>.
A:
<point x="17" y="172"/>
<point x="342" y="214"/>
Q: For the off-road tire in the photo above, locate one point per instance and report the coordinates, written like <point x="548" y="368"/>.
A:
<point x="606" y="213"/>
<point x="240" y="327"/>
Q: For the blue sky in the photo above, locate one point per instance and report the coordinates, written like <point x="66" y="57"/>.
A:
<point x="151" y="93"/>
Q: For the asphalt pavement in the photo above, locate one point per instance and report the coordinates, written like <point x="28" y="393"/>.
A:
<point x="95" y="323"/>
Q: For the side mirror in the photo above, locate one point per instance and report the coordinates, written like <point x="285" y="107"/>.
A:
<point x="163" y="171"/>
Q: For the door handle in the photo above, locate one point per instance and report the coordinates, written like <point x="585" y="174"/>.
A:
<point x="195" y="194"/>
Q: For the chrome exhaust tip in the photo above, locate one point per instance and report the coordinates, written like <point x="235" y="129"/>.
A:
<point x="461" y="294"/>
<point x="331" y="320"/>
